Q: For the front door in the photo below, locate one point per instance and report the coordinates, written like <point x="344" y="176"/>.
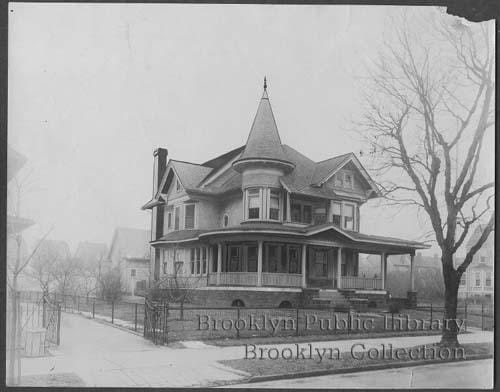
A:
<point x="318" y="268"/>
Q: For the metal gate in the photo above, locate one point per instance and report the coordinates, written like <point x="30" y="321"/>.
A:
<point x="51" y="321"/>
<point x="155" y="321"/>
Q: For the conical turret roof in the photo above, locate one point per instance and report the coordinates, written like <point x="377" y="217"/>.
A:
<point x="264" y="141"/>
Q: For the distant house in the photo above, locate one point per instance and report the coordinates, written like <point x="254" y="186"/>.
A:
<point x="91" y="252"/>
<point x="265" y="225"/>
<point x="92" y="257"/>
<point x="130" y="252"/>
<point x="478" y="280"/>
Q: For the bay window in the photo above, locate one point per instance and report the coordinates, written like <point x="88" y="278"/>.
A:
<point x="274" y="205"/>
<point x="253" y="202"/>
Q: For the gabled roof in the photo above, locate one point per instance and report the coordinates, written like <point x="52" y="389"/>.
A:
<point x="190" y="174"/>
<point x="325" y="168"/>
<point x="478" y="231"/>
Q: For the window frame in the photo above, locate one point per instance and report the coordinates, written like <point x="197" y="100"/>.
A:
<point x="344" y="184"/>
<point x="169" y="219"/>
<point x="250" y="193"/>
<point x="177" y="218"/>
<point x="344" y="209"/>
<point x="487" y="279"/>
<point x="477" y="279"/>
<point x="277" y="196"/>
<point x="186" y="216"/>
<point x="133" y="272"/>
<point x="178" y="186"/>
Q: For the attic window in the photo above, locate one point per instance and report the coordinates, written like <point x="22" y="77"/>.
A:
<point x="338" y="180"/>
<point x="177" y="185"/>
<point x="348" y="180"/>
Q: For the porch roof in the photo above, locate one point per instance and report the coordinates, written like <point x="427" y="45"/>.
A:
<point x="327" y="232"/>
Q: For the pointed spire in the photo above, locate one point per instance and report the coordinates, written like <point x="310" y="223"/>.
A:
<point x="264" y="141"/>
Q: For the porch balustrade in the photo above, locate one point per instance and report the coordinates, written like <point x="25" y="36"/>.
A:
<point x="251" y="279"/>
<point x="355" y="282"/>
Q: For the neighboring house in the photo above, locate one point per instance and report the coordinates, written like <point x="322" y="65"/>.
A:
<point x="130" y="252"/>
<point x="478" y="279"/>
<point x="265" y="225"/>
<point x="92" y="257"/>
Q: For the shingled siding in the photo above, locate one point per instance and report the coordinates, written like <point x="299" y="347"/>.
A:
<point x="225" y="297"/>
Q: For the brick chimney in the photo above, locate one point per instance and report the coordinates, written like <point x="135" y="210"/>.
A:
<point x="160" y="163"/>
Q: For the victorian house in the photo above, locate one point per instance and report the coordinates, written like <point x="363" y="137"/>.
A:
<point x="264" y="225"/>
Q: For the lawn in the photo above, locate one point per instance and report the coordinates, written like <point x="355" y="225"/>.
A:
<point x="330" y="361"/>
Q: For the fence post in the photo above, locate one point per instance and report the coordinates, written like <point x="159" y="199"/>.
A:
<point x="482" y="316"/>
<point x="135" y="318"/>
<point x="349" y="320"/>
<point x="144" y="322"/>
<point x="297" y="325"/>
<point x="112" y="312"/>
<point x="165" y="324"/>
<point x="93" y="309"/>
<point x="78" y="304"/>
<point x="43" y="312"/>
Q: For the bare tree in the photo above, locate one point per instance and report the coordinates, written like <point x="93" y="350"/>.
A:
<point x="430" y="107"/>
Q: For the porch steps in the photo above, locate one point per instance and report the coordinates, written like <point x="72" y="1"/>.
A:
<point x="331" y="299"/>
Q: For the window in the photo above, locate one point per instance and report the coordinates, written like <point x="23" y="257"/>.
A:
<point x="204" y="260"/>
<point x="307" y="210"/>
<point x="487" y="282"/>
<point x="348" y="217"/>
<point x="252" y="258"/>
<point x="193" y="260"/>
<point x="169" y="220"/>
<point x="293" y="260"/>
<point x="320" y="263"/>
<point x="273" y="258"/>
<point x="225" y="220"/>
<point x="177" y="217"/>
<point x="189" y="217"/>
<point x="336" y="213"/>
<point x="319" y="215"/>
<point x="348" y="180"/>
<point x="254" y="203"/>
<point x="301" y="213"/>
<point x="198" y="261"/>
<point x="478" y="279"/>
<point x="234" y="259"/>
<point x="337" y="180"/>
<point x="463" y="280"/>
<point x="165" y="267"/>
<point x="296" y="211"/>
<point x="274" y="205"/>
<point x="132" y="272"/>
<point x="483" y="259"/>
<point x="178" y="185"/>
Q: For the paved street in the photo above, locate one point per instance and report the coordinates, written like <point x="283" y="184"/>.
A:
<point x="103" y="355"/>
<point x="470" y="374"/>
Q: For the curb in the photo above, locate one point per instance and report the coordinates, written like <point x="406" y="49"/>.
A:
<point x="315" y="373"/>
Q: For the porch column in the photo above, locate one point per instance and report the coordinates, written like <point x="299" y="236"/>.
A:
<point x="304" y="255"/>
<point x="259" y="263"/>
<point x="288" y="209"/>
<point x="219" y="262"/>
<point x="339" y="268"/>
<point x="383" y="268"/>
<point x="412" y="275"/>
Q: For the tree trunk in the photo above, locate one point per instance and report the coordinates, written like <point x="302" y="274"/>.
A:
<point x="13" y="336"/>
<point x="451" y="282"/>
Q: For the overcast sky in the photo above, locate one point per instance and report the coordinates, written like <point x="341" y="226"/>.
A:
<point x="94" y="89"/>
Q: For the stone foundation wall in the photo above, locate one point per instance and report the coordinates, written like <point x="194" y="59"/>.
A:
<point x="251" y="298"/>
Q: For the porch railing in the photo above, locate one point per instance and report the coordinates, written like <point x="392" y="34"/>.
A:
<point x="286" y="280"/>
<point x="251" y="279"/>
<point x="355" y="282"/>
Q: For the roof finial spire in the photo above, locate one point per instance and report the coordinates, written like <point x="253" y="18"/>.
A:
<point x="265" y="84"/>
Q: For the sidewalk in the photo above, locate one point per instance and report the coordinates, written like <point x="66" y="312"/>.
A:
<point x="106" y="356"/>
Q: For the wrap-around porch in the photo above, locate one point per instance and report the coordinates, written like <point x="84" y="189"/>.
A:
<point x="264" y="263"/>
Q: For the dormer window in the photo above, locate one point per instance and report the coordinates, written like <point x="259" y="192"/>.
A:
<point x="254" y="203"/>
